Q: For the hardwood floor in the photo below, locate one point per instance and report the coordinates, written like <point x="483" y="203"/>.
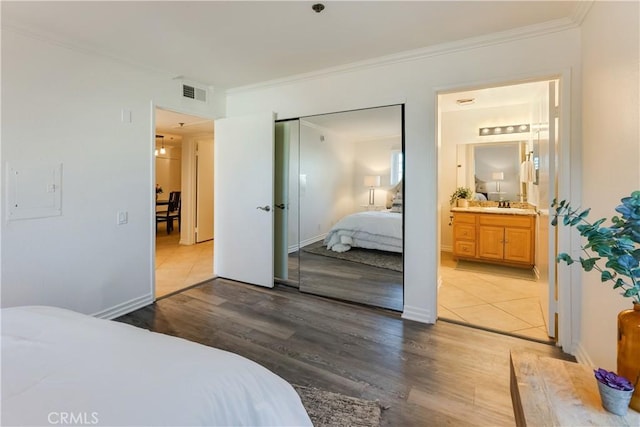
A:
<point x="350" y="281"/>
<point x="425" y="375"/>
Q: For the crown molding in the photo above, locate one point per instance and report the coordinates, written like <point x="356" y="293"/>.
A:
<point x="581" y="11"/>
<point x="69" y="44"/>
<point x="502" y="37"/>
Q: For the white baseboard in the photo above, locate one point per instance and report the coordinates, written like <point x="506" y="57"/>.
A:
<point x="536" y="271"/>
<point x="125" y="307"/>
<point x="418" y="314"/>
<point x="582" y="356"/>
<point x="306" y="242"/>
<point x="311" y="240"/>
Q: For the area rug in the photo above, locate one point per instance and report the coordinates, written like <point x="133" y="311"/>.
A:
<point x="382" y="259"/>
<point x="497" y="270"/>
<point x="327" y="409"/>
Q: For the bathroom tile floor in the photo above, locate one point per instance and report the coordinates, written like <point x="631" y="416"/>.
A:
<point x="493" y="302"/>
<point x="180" y="266"/>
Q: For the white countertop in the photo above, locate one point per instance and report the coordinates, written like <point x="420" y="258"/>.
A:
<point x="496" y="210"/>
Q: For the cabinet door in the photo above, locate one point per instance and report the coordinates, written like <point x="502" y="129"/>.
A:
<point x="517" y="245"/>
<point x="464" y="248"/>
<point x="464" y="237"/>
<point x="491" y="242"/>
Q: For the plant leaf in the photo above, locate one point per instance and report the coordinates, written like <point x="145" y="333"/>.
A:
<point x="565" y="257"/>
<point x="587" y="264"/>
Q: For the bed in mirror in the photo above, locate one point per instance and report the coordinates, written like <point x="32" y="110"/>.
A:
<point x="340" y="202"/>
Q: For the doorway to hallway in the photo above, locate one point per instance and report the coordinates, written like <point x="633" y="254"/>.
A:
<point x="183" y="165"/>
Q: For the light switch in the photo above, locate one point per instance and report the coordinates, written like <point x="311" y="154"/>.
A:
<point x="123" y="217"/>
<point x="126" y="115"/>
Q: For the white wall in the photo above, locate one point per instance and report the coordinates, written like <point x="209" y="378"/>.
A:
<point x="373" y="157"/>
<point x="415" y="83"/>
<point x="169" y="169"/>
<point x="64" y="105"/>
<point x="611" y="151"/>
<point x="327" y="165"/>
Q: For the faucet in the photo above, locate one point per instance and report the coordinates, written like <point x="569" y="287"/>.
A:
<point x="504" y="204"/>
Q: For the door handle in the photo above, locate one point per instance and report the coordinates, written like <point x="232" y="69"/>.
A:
<point x="279" y="206"/>
<point x="265" y="208"/>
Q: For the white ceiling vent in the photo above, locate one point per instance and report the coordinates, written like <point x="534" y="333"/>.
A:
<point x="193" y="92"/>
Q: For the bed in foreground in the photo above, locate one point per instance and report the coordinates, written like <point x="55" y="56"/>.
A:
<point x="381" y="230"/>
<point x="60" y="365"/>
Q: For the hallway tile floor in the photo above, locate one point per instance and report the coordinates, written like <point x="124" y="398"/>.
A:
<point x="180" y="266"/>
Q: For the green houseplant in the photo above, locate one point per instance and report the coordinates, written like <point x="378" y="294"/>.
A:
<point x="464" y="193"/>
<point x="618" y="246"/>
<point x="619" y="243"/>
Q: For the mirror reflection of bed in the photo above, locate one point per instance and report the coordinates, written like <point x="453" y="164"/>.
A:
<point x="339" y="197"/>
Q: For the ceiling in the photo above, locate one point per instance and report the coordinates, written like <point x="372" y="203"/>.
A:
<point x="236" y="43"/>
<point x="168" y="123"/>
<point x="499" y="96"/>
<point x="362" y="125"/>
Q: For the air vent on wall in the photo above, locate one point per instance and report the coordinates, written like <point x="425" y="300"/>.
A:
<point x="193" y="92"/>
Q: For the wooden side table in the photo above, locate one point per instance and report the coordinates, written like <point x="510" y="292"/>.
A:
<point x="553" y="392"/>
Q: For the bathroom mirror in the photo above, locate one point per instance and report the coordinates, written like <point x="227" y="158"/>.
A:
<point x="492" y="170"/>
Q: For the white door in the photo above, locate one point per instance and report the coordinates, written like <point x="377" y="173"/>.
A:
<point x="243" y="196"/>
<point x="204" y="190"/>
<point x="554" y="124"/>
<point x="545" y="159"/>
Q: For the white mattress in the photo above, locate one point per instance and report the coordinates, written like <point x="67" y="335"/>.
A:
<point x="57" y="363"/>
<point x="381" y="230"/>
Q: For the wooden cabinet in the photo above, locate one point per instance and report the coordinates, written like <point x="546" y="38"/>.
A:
<point x="501" y="238"/>
<point x="464" y="235"/>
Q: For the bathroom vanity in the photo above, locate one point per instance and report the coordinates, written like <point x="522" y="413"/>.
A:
<point x="495" y="235"/>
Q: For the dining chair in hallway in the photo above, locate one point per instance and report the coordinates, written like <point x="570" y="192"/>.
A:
<point x="173" y="212"/>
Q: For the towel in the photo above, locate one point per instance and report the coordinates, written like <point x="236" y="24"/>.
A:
<point x="527" y="174"/>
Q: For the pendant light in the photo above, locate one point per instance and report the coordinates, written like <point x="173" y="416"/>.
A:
<point x="162" y="149"/>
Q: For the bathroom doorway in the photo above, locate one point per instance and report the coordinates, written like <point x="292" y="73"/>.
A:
<point x="524" y="118"/>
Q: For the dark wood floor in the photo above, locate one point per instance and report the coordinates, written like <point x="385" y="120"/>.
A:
<point x="426" y="375"/>
<point x="347" y="281"/>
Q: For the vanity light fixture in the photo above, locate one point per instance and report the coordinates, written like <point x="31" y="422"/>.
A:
<point x="501" y="130"/>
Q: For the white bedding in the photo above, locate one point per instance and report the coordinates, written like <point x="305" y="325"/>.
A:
<point x="60" y="365"/>
<point x="381" y="230"/>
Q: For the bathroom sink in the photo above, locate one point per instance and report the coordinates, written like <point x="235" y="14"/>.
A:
<point x="513" y="211"/>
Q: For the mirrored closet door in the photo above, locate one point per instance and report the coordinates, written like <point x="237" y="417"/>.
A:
<point x="341" y="197"/>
